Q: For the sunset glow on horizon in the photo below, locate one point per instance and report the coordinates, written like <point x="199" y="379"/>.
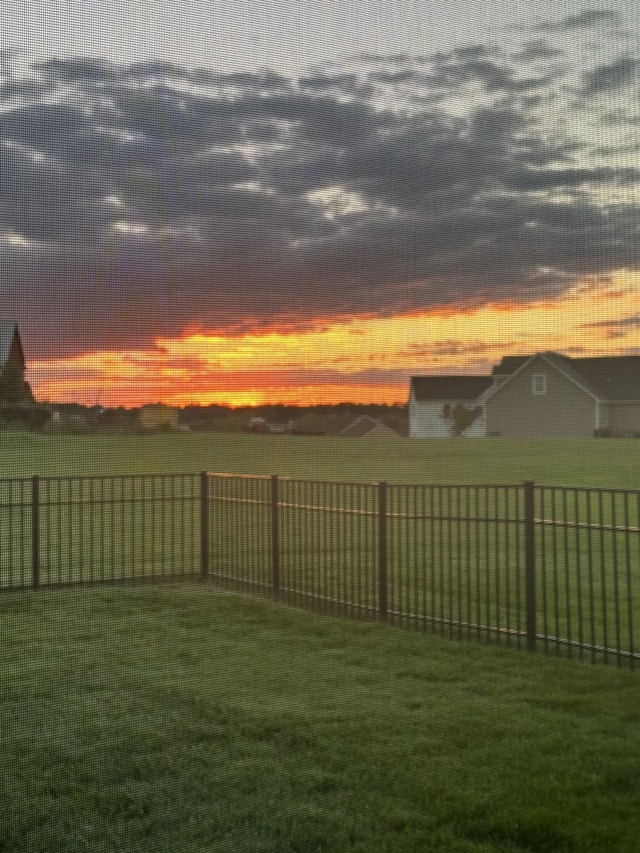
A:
<point x="359" y="360"/>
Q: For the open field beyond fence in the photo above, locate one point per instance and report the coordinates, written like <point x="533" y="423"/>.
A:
<point x="611" y="463"/>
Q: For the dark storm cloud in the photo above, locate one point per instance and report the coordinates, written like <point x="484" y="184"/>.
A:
<point x="82" y="71"/>
<point x="581" y="21"/>
<point x="541" y="179"/>
<point x="537" y="50"/>
<point x="481" y="66"/>
<point x="611" y="76"/>
<point x="146" y="199"/>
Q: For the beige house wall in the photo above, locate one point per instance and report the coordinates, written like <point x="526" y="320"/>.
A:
<point x="623" y="418"/>
<point x="565" y="410"/>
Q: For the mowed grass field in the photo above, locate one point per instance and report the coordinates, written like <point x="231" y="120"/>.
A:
<point x="584" y="462"/>
<point x="180" y="718"/>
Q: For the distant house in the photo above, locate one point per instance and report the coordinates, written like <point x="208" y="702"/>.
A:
<point x="432" y="400"/>
<point x="534" y="396"/>
<point x="367" y="427"/>
<point x="11" y="351"/>
<point x="257" y="424"/>
<point x="157" y="416"/>
<point x="551" y="395"/>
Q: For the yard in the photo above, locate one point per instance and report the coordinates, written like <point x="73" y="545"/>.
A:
<point x="593" y="462"/>
<point x="456" y="556"/>
<point x="176" y="717"/>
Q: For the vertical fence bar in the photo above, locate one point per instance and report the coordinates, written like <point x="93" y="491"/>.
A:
<point x="616" y="581"/>
<point x="576" y="516"/>
<point x="204" y="525"/>
<point x="603" y="574"/>
<point x="530" y="563"/>
<point x="35" y="531"/>
<point x="275" y="537"/>
<point x="382" y="550"/>
<point x="627" y="525"/>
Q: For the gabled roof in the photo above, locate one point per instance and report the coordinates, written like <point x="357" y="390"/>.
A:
<point x="567" y="367"/>
<point x="613" y="378"/>
<point x="364" y="425"/>
<point x="607" y="378"/>
<point x="8" y="330"/>
<point x="509" y="365"/>
<point x="425" y="388"/>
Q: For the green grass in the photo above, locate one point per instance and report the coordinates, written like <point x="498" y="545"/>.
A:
<point x="180" y="718"/>
<point x="602" y="462"/>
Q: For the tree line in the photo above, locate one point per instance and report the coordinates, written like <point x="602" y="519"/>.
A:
<point x="18" y="410"/>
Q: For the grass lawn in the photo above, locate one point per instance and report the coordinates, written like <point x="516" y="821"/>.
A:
<point x="180" y="718"/>
<point x="599" y="462"/>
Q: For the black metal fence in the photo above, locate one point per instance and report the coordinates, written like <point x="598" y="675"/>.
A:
<point x="548" y="567"/>
<point x="57" y="531"/>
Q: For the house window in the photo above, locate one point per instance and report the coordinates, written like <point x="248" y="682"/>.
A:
<point x="539" y="384"/>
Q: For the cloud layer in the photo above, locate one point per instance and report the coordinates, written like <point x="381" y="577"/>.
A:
<point x="147" y="200"/>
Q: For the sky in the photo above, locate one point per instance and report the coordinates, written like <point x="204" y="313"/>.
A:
<point x="258" y="202"/>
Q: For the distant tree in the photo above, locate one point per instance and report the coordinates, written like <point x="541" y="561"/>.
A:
<point x="13" y="387"/>
<point x="460" y="417"/>
<point x="310" y="423"/>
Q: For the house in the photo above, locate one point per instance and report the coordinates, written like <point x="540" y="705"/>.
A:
<point x="433" y="399"/>
<point x="156" y="416"/>
<point x="11" y="351"/>
<point x="551" y="395"/>
<point x="534" y="396"/>
<point x="367" y="427"/>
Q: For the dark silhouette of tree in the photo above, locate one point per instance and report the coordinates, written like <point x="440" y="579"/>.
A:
<point x="460" y="417"/>
<point x="13" y="386"/>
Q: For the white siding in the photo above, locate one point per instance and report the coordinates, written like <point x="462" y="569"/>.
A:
<point x="426" y="421"/>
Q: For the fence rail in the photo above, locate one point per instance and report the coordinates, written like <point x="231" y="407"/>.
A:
<point x="539" y="567"/>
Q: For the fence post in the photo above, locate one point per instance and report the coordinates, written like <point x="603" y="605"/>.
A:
<point x="35" y="531"/>
<point x="530" y="563"/>
<point x="382" y="549"/>
<point x="275" y="537"/>
<point x="204" y="525"/>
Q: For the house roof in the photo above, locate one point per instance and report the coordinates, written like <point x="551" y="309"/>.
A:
<point x="364" y="425"/>
<point x="614" y="378"/>
<point x="509" y="364"/>
<point x="8" y="330"/>
<point x="610" y="378"/>
<point x="427" y="388"/>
